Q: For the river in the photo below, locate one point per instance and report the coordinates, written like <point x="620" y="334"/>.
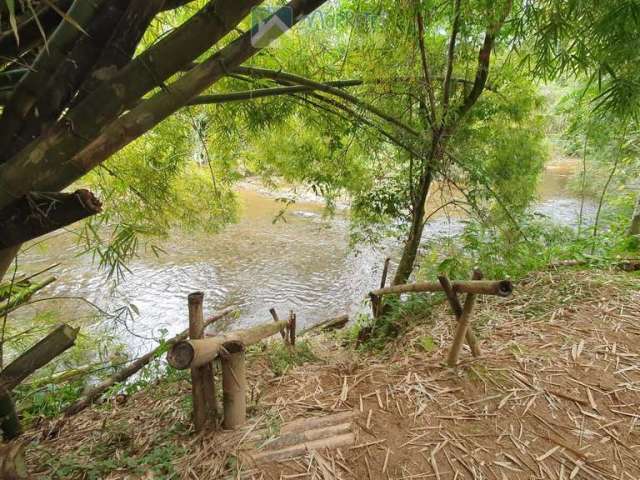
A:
<point x="304" y="264"/>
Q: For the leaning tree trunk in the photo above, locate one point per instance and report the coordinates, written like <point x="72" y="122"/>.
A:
<point x="410" y="250"/>
<point x="634" y="229"/>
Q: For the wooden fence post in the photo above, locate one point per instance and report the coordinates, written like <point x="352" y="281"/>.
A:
<point x="234" y="386"/>
<point x="463" y="325"/>
<point x="456" y="306"/>
<point x="292" y="329"/>
<point x="202" y="386"/>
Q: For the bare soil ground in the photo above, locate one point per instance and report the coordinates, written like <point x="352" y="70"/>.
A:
<point x="556" y="395"/>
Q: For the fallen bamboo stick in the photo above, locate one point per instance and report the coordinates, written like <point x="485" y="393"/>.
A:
<point x="121" y="375"/>
<point x="302" y="448"/>
<point x="311" y="423"/>
<point x="294" y="438"/>
<point x="463" y="326"/>
<point x="59" y="340"/>
<point x="194" y="353"/>
<point x="327" y="325"/>
<point x="205" y="406"/>
<point x="501" y="288"/>
<point x="456" y="306"/>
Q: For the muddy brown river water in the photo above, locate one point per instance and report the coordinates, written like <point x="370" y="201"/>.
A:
<point x="304" y="264"/>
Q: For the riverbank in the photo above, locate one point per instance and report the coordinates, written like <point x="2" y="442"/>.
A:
<point x="555" y="395"/>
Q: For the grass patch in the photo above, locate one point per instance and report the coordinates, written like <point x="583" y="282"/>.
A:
<point x="281" y="357"/>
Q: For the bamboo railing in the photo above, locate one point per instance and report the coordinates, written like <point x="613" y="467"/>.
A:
<point x="475" y="286"/>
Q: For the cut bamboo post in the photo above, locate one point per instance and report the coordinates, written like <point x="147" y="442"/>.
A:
<point x="463" y="326"/>
<point x="456" y="306"/>
<point x="292" y="328"/>
<point x="276" y="319"/>
<point x="12" y="462"/>
<point x="501" y="288"/>
<point x="195" y="353"/>
<point x="234" y="386"/>
<point x="59" y="340"/>
<point x="202" y="386"/>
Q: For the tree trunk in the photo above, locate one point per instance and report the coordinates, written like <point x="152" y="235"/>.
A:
<point x="38" y="213"/>
<point x="634" y="229"/>
<point x="410" y="250"/>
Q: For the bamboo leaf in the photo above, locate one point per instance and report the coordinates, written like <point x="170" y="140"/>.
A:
<point x="40" y="28"/>
<point x="66" y="17"/>
<point x="11" y="6"/>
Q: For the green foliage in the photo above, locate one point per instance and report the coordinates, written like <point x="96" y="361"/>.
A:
<point x="116" y="451"/>
<point x="593" y="39"/>
<point x="399" y="315"/>
<point x="281" y="357"/>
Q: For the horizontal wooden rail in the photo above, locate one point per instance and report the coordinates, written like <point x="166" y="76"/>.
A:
<point x="195" y="353"/>
<point x="501" y="288"/>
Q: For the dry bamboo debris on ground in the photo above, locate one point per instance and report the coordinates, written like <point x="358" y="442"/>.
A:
<point x="555" y="396"/>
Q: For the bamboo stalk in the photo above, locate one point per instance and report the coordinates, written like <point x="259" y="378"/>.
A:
<point x="327" y="325"/>
<point x="463" y="326"/>
<point x="302" y="448"/>
<point x="24" y="295"/>
<point x="456" y="306"/>
<point x="202" y="385"/>
<point x="501" y="288"/>
<point x="195" y="353"/>
<point x="234" y="386"/>
<point x="97" y="391"/>
<point x="59" y="340"/>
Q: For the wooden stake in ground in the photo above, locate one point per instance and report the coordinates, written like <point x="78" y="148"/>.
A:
<point x="454" y="301"/>
<point x="202" y="386"/>
<point x="234" y="386"/>
<point x="276" y="319"/>
<point x="463" y="325"/>
<point x="59" y="340"/>
<point x="376" y="301"/>
<point x="135" y="366"/>
<point x="292" y="328"/>
<point x="12" y="464"/>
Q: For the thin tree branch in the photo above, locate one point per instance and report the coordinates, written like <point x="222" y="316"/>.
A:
<point x="425" y="68"/>
<point x="297" y="79"/>
<point x="446" y="85"/>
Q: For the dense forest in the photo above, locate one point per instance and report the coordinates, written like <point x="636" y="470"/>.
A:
<point x="482" y="157"/>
